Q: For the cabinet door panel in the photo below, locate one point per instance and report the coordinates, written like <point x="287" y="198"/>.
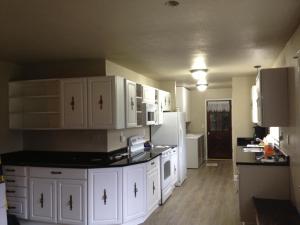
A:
<point x="131" y="117"/>
<point x="134" y="188"/>
<point x="105" y="196"/>
<point x="74" y="103"/>
<point x="153" y="190"/>
<point x="100" y="103"/>
<point x="43" y="200"/>
<point x="72" y="202"/>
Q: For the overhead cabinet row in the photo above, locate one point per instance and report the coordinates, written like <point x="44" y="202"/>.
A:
<point x="107" y="102"/>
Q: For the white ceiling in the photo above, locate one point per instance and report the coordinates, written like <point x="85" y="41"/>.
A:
<point x="229" y="36"/>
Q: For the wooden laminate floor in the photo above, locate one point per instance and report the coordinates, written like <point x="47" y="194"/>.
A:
<point x="207" y="197"/>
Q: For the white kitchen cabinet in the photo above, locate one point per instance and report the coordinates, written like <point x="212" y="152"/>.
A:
<point x="183" y="101"/>
<point x="106" y="102"/>
<point x="72" y="202"/>
<point x="105" y="196"/>
<point x="130" y="105"/>
<point x="166" y="100"/>
<point x="74" y="103"/>
<point x="160" y="111"/>
<point x="148" y="94"/>
<point x="272" y="97"/>
<point x="153" y="188"/>
<point x="134" y="192"/>
<point x="43" y="200"/>
<point x="174" y="166"/>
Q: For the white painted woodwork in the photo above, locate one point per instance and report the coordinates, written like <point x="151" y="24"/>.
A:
<point x="183" y="102"/>
<point x="134" y="192"/>
<point x="58" y="173"/>
<point x="174" y="166"/>
<point x="16" y="181"/>
<point x="148" y="94"/>
<point x="131" y="110"/>
<point x="161" y="97"/>
<point x="72" y="202"/>
<point x="105" y="196"/>
<point x="15" y="171"/>
<point x="43" y="200"/>
<point x="106" y="102"/>
<point x="153" y="187"/>
<point x="16" y="192"/>
<point x="74" y="103"/>
<point x="18" y="207"/>
<point x="166" y="100"/>
<point x="272" y="100"/>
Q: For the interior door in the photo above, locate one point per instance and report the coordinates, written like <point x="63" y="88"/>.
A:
<point x="219" y="142"/>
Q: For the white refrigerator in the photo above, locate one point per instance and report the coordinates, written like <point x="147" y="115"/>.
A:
<point x="173" y="132"/>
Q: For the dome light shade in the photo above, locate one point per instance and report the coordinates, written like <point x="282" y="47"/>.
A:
<point x="199" y="74"/>
<point x="202" y="86"/>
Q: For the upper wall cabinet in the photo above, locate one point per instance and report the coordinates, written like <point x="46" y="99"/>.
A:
<point x="183" y="101"/>
<point x="166" y="100"/>
<point x="35" y="104"/>
<point x="131" y="104"/>
<point x="74" y="103"/>
<point x="106" y="102"/>
<point x="272" y="97"/>
<point x="148" y="94"/>
<point x="79" y="103"/>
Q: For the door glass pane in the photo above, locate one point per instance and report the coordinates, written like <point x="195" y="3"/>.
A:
<point x="167" y="169"/>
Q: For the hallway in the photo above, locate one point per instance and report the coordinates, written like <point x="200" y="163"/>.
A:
<point x="207" y="198"/>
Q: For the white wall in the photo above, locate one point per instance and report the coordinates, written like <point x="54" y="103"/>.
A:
<point x="292" y="147"/>
<point x="9" y="140"/>
<point x="242" y="125"/>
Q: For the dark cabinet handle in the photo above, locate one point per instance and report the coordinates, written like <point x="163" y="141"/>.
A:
<point x="165" y="101"/>
<point x="132" y="103"/>
<point x="175" y="169"/>
<point x="10" y="191"/>
<point x="161" y="107"/>
<point x="135" y="190"/>
<point x="71" y="202"/>
<point x="104" y="196"/>
<point x="72" y="103"/>
<point x="100" y="102"/>
<point x="10" y="170"/>
<point x="10" y="181"/>
<point x="42" y="200"/>
<point x="56" y="172"/>
<point x="153" y="187"/>
<point x="152" y="163"/>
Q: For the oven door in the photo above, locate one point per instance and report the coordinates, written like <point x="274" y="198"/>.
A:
<point x="166" y="169"/>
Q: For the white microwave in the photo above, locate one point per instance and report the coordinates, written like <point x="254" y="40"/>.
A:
<point x="149" y="113"/>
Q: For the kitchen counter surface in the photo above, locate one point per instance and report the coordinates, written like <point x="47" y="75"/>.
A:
<point x="250" y="158"/>
<point x="79" y="159"/>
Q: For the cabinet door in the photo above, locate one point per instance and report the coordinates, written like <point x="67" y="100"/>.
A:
<point x="72" y="202"/>
<point x="131" y="117"/>
<point x="43" y="206"/>
<point x="100" y="101"/>
<point x="105" y="196"/>
<point x="134" y="192"/>
<point x="74" y="103"/>
<point x="153" y="190"/>
<point x="148" y="94"/>
<point x="174" y="166"/>
<point x="168" y="101"/>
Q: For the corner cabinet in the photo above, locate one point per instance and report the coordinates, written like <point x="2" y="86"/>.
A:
<point x="130" y="104"/>
<point x="272" y="97"/>
<point x="105" y="196"/>
<point x="183" y="101"/>
<point x="165" y="99"/>
<point x="106" y="102"/>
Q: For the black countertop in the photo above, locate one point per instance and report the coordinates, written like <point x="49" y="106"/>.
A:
<point x="78" y="159"/>
<point x="251" y="158"/>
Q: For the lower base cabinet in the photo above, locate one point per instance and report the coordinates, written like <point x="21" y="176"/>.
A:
<point x="153" y="190"/>
<point x="134" y="192"/>
<point x="105" y="196"/>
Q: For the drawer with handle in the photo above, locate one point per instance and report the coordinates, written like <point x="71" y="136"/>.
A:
<point x="18" y="207"/>
<point x="15" y="181"/>
<point x="153" y="164"/>
<point x="58" y="173"/>
<point x="16" y="192"/>
<point x="15" y="171"/>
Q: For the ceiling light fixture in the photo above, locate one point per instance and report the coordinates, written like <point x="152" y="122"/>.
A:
<point x="172" y="3"/>
<point x="202" y="86"/>
<point x="199" y="74"/>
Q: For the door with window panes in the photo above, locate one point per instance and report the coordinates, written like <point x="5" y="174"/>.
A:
<point x="219" y="142"/>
